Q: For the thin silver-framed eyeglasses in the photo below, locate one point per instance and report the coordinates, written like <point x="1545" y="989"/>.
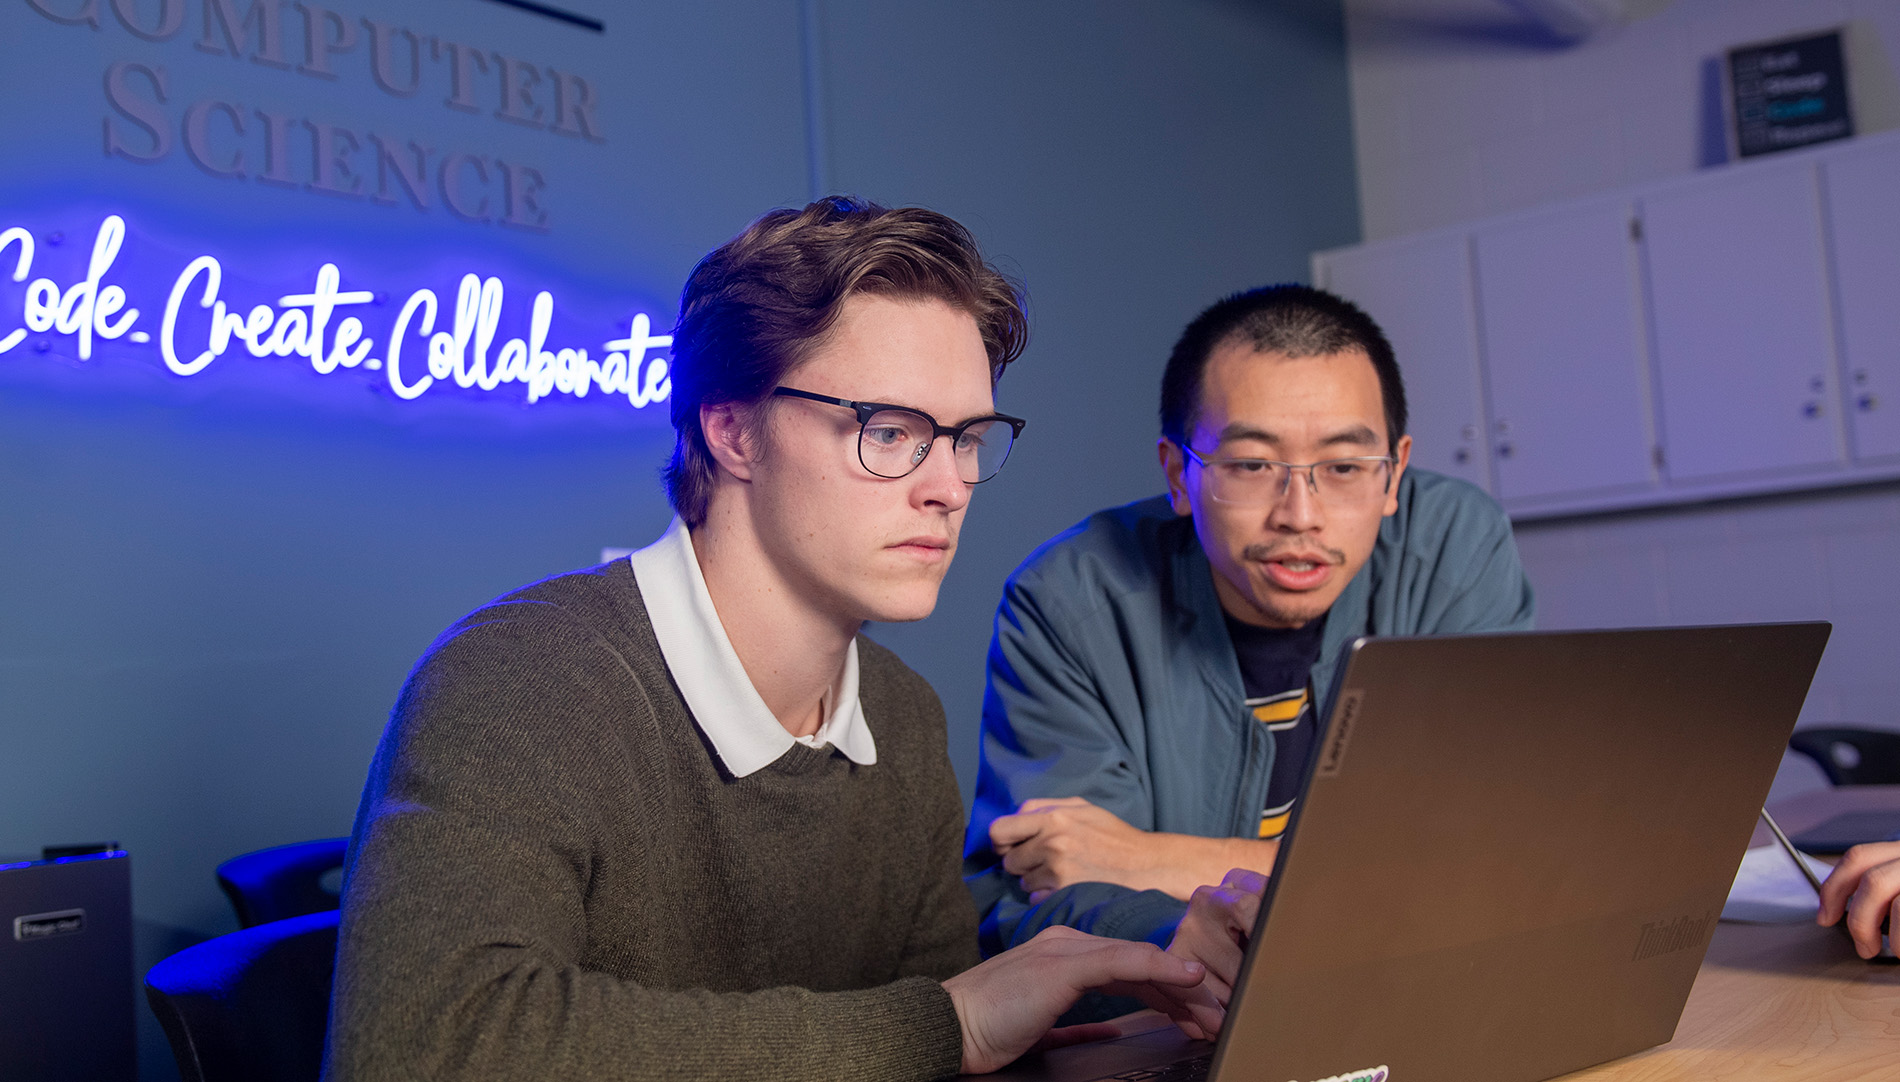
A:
<point x="1258" y="482"/>
<point x="894" y="440"/>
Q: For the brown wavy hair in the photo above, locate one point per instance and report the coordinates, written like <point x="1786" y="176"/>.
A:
<point x="758" y="305"/>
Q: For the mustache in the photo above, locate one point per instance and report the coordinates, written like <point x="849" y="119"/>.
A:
<point x="1271" y="549"/>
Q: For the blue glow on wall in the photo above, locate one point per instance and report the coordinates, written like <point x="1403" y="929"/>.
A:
<point x="129" y="302"/>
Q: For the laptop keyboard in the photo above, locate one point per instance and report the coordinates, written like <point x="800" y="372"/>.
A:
<point x="1187" y="1070"/>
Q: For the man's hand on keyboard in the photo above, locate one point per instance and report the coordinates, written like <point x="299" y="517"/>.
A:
<point x="1215" y="930"/>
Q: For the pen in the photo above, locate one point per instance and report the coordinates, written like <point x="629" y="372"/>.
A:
<point x="1806" y="872"/>
<point x="1788" y="847"/>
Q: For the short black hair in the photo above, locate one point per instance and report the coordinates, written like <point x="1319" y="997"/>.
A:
<point x="1293" y="319"/>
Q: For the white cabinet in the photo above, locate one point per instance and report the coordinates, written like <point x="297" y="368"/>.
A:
<point x="1725" y="334"/>
<point x="1419" y="292"/>
<point x="1863" y="211"/>
<point x="1744" y="343"/>
<point x="1558" y="297"/>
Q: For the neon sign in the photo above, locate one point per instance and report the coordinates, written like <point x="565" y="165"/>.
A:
<point x="427" y="344"/>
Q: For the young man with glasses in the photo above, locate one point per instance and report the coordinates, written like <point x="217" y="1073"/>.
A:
<point x="673" y="817"/>
<point x="1157" y="670"/>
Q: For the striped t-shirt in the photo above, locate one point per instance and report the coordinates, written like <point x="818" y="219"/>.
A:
<point x="1275" y="672"/>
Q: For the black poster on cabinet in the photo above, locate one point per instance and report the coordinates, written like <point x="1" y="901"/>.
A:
<point x="1788" y="94"/>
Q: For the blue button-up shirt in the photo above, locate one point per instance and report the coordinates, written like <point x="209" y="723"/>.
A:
<point x="1112" y="678"/>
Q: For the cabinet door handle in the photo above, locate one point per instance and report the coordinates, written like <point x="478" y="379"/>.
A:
<point x="1867" y="403"/>
<point x="1812" y="409"/>
<point x="1461" y="456"/>
<point x="1505" y="449"/>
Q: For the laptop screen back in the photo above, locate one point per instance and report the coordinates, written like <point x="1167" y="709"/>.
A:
<point x="1512" y="851"/>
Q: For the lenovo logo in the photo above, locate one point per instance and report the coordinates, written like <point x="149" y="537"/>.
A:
<point x="1344" y="717"/>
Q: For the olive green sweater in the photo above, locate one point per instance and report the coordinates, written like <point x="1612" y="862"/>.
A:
<point x="553" y="878"/>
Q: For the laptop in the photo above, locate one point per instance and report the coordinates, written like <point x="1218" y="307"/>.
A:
<point x="1509" y="859"/>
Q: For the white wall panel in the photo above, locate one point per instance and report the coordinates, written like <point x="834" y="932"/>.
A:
<point x="1563" y="353"/>
<point x="1863" y="202"/>
<point x="1744" y="342"/>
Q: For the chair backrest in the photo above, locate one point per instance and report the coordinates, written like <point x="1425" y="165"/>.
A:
<point x="251" y="1006"/>
<point x="287" y="881"/>
<point x="1852" y="756"/>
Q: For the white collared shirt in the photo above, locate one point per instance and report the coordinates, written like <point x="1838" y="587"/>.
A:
<point x="727" y="708"/>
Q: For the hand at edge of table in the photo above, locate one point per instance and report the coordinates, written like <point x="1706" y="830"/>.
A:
<point x="1865" y="889"/>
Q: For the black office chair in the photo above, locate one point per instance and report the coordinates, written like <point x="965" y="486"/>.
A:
<point x="251" y="1006"/>
<point x="287" y="881"/>
<point x="1852" y="756"/>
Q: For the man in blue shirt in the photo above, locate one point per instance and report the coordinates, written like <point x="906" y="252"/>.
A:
<point x="1157" y="669"/>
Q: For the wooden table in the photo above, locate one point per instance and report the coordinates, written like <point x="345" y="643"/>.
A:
<point x="1783" y="1001"/>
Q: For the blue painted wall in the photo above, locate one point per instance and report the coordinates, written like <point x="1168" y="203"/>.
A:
<point x="210" y="591"/>
<point x="1133" y="163"/>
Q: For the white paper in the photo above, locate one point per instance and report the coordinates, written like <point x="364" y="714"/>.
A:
<point x="1769" y="889"/>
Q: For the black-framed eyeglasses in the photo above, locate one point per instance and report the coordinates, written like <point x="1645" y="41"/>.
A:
<point x="894" y="440"/>
<point x="1259" y="482"/>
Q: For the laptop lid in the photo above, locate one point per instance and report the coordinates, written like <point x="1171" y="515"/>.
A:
<point x="1508" y="860"/>
<point x="1512" y="851"/>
